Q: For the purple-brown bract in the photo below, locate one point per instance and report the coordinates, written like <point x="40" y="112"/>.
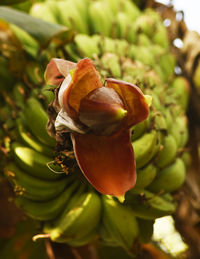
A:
<point x="99" y="118"/>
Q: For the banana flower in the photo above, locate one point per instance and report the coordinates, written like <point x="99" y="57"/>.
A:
<point x="99" y="119"/>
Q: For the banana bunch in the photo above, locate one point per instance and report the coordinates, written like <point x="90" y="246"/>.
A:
<point x="127" y="44"/>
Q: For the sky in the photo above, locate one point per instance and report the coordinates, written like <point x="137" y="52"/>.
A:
<point x="191" y="9"/>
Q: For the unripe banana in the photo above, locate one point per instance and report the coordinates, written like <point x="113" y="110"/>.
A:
<point x="146" y="147"/>
<point x="145" y="24"/>
<point x="43" y="11"/>
<point x="46" y="210"/>
<point x="167" y="63"/>
<point x="186" y="157"/>
<point x="120" y="222"/>
<point x="26" y="137"/>
<point x="47" y="95"/>
<point x="170" y="178"/>
<point x="77" y="221"/>
<point x="33" y="162"/>
<point x="121" y="25"/>
<point x="113" y="5"/>
<point x="111" y="62"/>
<point x="86" y="46"/>
<point x="181" y="87"/>
<point x="142" y="54"/>
<point x="85" y="240"/>
<point x="28" y="42"/>
<point x="167" y="153"/>
<point x="147" y="205"/>
<point x="130" y="9"/>
<point x="139" y="129"/>
<point x="33" y="112"/>
<point x="160" y="36"/>
<point x="19" y="95"/>
<point x="106" y="237"/>
<point x="143" y="40"/>
<point x="179" y="130"/>
<point x="122" y="47"/>
<point x="101" y="18"/>
<point x="145" y="176"/>
<point x="69" y="16"/>
<point x="34" y="188"/>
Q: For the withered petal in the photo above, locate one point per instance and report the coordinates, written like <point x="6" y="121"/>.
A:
<point x="64" y="123"/>
<point x="85" y="79"/>
<point x="106" y="161"/>
<point x="57" y="70"/>
<point x="133" y="99"/>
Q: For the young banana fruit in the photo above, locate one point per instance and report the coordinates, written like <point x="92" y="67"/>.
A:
<point x="78" y="220"/>
<point x="120" y="222"/>
<point x="147" y="205"/>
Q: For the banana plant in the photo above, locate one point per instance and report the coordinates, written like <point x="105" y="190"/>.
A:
<point x="103" y="69"/>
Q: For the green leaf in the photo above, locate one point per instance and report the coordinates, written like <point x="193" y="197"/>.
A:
<point x="10" y="2"/>
<point x="42" y="31"/>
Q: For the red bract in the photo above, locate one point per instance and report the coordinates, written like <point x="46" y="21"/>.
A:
<point x="99" y="119"/>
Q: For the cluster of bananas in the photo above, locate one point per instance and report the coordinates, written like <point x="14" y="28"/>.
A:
<point x="126" y="44"/>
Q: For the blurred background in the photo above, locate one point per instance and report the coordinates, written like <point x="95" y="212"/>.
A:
<point x="190" y="9"/>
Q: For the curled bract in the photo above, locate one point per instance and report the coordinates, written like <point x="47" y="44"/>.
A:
<point x="99" y="119"/>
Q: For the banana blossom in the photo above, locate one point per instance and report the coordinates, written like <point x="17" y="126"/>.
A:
<point x="99" y="119"/>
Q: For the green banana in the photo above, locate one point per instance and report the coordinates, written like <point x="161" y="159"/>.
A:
<point x="139" y="129"/>
<point x="168" y="118"/>
<point x="69" y="16"/>
<point x="101" y="18"/>
<point x="28" y="42"/>
<point x="86" y="46"/>
<point x="145" y="24"/>
<point x="142" y="54"/>
<point x="143" y="40"/>
<point x="145" y="176"/>
<point x="160" y="36"/>
<point x="167" y="153"/>
<point x="111" y="62"/>
<point x="85" y="240"/>
<point x="179" y="130"/>
<point x="147" y="205"/>
<point x="167" y="64"/>
<point x="106" y="237"/>
<point x="46" y="210"/>
<point x="130" y="9"/>
<point x="120" y="222"/>
<point x="186" y="157"/>
<point x="170" y="178"/>
<point x="43" y="11"/>
<point x="46" y="95"/>
<point x="181" y="87"/>
<point x="146" y="147"/>
<point x="34" y="112"/>
<point x="113" y="5"/>
<point x="34" y="188"/>
<point x="121" y="25"/>
<point x="77" y="220"/>
<point x="33" y="162"/>
<point x="18" y="92"/>
<point x="26" y="137"/>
